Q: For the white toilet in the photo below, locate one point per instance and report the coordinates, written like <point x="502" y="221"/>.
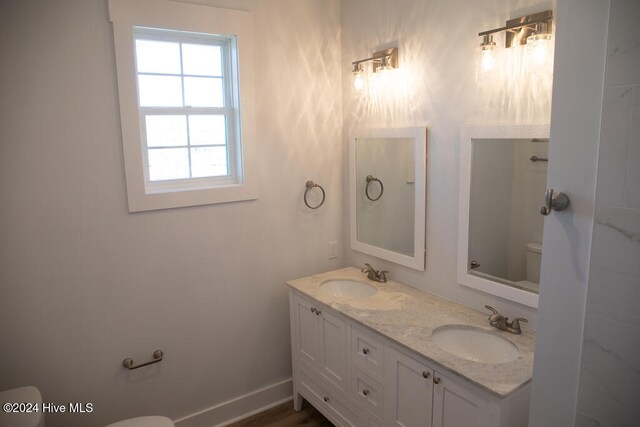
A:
<point x="534" y="258"/>
<point x="36" y="419"/>
<point x="28" y="394"/>
<point x="153" y="421"/>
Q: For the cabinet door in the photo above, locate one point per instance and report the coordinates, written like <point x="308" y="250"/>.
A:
<point x="408" y="391"/>
<point x="457" y="406"/>
<point x="307" y="330"/>
<point x="333" y="341"/>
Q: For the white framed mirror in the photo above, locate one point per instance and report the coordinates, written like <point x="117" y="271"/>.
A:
<point x="503" y="176"/>
<point x="387" y="178"/>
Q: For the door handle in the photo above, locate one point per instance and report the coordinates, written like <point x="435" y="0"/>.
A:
<point x="554" y="201"/>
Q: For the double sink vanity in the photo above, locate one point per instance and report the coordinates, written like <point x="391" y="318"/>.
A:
<point x="367" y="353"/>
<point x="372" y="352"/>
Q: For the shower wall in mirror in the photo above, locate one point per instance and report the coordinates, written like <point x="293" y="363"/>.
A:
<point x="387" y="182"/>
<point x="508" y="176"/>
<point x="503" y="180"/>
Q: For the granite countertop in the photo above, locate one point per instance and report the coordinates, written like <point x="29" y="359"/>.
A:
<point x="407" y="316"/>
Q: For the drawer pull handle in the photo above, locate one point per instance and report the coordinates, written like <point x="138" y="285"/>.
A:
<point x="426" y="374"/>
<point x="365" y="351"/>
<point x="365" y="392"/>
<point x="436" y="380"/>
<point x="326" y="398"/>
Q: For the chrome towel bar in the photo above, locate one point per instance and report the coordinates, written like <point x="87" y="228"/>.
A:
<point x="128" y="362"/>
<point x="538" y="159"/>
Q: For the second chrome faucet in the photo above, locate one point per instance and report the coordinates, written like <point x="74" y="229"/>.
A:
<point x="373" y="274"/>
<point x="498" y="321"/>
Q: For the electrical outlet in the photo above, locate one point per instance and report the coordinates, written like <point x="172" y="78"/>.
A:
<point x="333" y="250"/>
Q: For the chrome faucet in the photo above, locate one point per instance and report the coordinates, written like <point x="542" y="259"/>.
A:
<point x="498" y="321"/>
<point x="372" y="274"/>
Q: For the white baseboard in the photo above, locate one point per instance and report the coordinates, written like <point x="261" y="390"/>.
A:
<point x="240" y="407"/>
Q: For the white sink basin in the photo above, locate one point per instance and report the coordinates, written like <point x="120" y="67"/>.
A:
<point x="475" y="344"/>
<point x="347" y="289"/>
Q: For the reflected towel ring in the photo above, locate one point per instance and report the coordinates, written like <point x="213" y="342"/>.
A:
<point x="310" y="185"/>
<point x="370" y="179"/>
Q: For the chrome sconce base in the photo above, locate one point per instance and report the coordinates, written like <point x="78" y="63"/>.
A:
<point x="518" y="30"/>
<point x="381" y="58"/>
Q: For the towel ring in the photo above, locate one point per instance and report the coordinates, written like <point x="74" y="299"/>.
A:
<point x="370" y="179"/>
<point x="310" y="185"/>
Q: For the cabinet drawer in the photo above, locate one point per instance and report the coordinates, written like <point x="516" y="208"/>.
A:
<point x="367" y="391"/>
<point x="325" y="398"/>
<point x="367" y="350"/>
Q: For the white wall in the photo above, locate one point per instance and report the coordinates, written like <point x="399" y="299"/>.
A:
<point x="84" y="284"/>
<point x="437" y="88"/>
<point x="610" y="364"/>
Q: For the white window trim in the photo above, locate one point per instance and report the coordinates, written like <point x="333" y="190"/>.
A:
<point x="126" y="14"/>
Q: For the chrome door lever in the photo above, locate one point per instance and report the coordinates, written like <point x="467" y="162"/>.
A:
<point x="554" y="201"/>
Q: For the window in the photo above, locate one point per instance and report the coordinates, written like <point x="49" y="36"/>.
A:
<point x="186" y="126"/>
<point x="187" y="114"/>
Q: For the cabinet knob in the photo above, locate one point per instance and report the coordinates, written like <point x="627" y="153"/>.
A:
<point x="326" y="398"/>
<point x="436" y="380"/>
<point x="426" y="374"/>
<point x="313" y="309"/>
<point x="365" y="351"/>
<point x="318" y="312"/>
<point x="365" y="392"/>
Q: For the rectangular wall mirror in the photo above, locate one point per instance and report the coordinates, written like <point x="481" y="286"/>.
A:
<point x="387" y="176"/>
<point x="503" y="177"/>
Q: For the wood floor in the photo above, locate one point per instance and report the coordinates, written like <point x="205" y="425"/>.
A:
<point x="284" y="416"/>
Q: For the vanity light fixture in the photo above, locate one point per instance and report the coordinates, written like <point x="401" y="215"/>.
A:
<point x="533" y="30"/>
<point x="382" y="62"/>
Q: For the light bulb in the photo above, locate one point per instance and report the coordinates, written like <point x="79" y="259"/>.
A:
<point x="486" y="60"/>
<point x="383" y="74"/>
<point x="540" y="51"/>
<point x="358" y="77"/>
<point x="358" y="80"/>
<point x="382" y="77"/>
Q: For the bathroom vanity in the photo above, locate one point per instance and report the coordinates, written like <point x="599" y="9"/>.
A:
<point x="373" y="354"/>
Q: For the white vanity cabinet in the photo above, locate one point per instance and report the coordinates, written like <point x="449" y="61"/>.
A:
<point x="358" y="377"/>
